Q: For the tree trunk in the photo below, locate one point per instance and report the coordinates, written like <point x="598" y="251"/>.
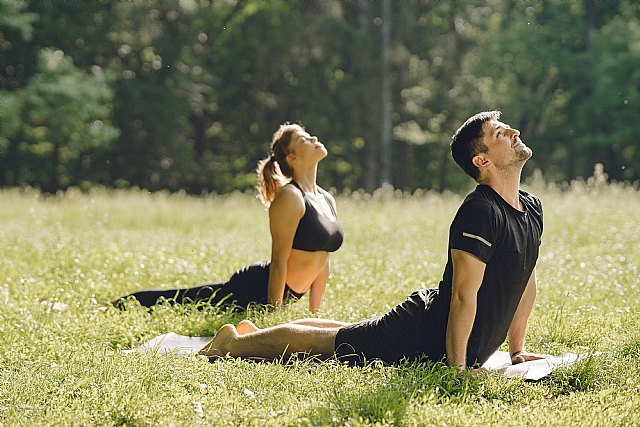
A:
<point x="54" y="183"/>
<point x="444" y="168"/>
<point x="386" y="96"/>
<point x="370" y="179"/>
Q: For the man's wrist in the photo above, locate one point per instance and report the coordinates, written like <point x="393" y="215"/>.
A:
<point x="453" y="363"/>
<point x="515" y="353"/>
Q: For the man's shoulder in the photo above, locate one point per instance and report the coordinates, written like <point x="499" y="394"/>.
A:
<point x="484" y="197"/>
<point x="478" y="206"/>
<point x="529" y="196"/>
<point x="531" y="201"/>
<point x="481" y="198"/>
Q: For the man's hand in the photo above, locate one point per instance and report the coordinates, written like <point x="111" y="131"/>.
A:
<point x="523" y="356"/>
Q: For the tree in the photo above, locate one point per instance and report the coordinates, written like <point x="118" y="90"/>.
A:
<point x="64" y="117"/>
<point x="198" y="87"/>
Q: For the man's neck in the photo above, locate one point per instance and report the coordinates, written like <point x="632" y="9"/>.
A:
<point x="508" y="187"/>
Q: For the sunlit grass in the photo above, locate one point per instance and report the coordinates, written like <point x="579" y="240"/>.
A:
<point x="65" y="367"/>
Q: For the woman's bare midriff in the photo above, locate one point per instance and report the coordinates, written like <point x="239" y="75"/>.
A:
<point x="303" y="267"/>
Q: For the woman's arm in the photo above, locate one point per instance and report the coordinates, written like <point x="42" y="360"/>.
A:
<point x="284" y="216"/>
<point x="317" y="289"/>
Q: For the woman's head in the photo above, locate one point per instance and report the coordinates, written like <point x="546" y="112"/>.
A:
<point x="275" y="170"/>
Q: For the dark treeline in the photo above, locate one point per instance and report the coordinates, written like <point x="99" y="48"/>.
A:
<point x="185" y="95"/>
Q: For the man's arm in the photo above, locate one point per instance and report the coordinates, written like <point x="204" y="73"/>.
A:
<point x="468" y="272"/>
<point x="518" y="328"/>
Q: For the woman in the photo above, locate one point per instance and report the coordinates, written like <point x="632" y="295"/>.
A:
<point x="304" y="230"/>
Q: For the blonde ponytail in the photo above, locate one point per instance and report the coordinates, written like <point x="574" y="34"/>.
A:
<point x="274" y="171"/>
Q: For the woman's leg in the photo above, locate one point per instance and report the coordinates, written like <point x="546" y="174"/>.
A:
<point x="150" y="297"/>
<point x="247" y="285"/>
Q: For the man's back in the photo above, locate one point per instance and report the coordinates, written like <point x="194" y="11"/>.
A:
<point x="507" y="241"/>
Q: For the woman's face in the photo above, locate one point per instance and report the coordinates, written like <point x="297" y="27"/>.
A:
<point x="307" y="147"/>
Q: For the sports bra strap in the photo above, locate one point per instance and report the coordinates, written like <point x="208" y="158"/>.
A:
<point x="295" y="184"/>
<point x="333" y="211"/>
<point x="315" y="231"/>
<point x="335" y="214"/>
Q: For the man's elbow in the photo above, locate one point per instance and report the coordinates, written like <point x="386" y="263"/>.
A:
<point x="460" y="300"/>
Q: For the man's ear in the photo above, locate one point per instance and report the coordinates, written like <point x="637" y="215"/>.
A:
<point x="480" y="161"/>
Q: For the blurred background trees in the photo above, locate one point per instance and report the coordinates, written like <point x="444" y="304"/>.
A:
<point x="186" y="94"/>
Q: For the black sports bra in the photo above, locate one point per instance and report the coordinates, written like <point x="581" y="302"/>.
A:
<point x="315" y="231"/>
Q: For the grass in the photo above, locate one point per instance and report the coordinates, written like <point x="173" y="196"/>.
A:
<point x="65" y="367"/>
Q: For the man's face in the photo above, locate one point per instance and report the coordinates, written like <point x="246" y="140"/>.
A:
<point x="505" y="148"/>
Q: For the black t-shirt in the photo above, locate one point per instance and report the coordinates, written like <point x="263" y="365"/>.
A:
<point x="507" y="241"/>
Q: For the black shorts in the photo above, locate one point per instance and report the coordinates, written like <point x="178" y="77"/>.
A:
<point x="413" y="330"/>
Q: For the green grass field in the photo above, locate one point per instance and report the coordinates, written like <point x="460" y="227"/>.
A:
<point x="66" y="368"/>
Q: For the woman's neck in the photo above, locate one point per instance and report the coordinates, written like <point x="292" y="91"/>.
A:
<point x="306" y="179"/>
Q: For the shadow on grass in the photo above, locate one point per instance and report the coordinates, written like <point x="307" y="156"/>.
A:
<point x="631" y="349"/>
<point x="584" y="375"/>
<point x="597" y="371"/>
<point x="386" y="401"/>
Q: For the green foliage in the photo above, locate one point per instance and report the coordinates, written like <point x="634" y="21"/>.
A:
<point x="198" y="87"/>
<point x="64" y="366"/>
<point x="13" y="17"/>
<point x="63" y="114"/>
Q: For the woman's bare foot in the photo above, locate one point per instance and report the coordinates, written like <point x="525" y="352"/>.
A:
<point x="218" y="346"/>
<point x="246" y="327"/>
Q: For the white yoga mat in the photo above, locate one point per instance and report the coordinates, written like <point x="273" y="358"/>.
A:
<point x="181" y="345"/>
<point x="533" y="370"/>
<point x="172" y="343"/>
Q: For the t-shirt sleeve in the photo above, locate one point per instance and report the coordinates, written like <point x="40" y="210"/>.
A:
<point x="474" y="229"/>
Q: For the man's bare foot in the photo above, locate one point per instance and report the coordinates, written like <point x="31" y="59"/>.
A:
<point x="218" y="345"/>
<point x="246" y="327"/>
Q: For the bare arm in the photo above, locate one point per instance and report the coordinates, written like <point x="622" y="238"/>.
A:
<point x="320" y="283"/>
<point x="317" y="289"/>
<point x="284" y="215"/>
<point x="518" y="328"/>
<point x="468" y="272"/>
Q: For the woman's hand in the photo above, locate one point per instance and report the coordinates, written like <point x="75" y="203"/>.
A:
<point x="274" y="305"/>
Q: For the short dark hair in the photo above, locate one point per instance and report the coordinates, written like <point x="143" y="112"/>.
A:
<point x="467" y="141"/>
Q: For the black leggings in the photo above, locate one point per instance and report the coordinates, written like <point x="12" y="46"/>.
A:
<point x="248" y="285"/>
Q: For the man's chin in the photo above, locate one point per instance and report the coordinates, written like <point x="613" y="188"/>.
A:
<point x="525" y="154"/>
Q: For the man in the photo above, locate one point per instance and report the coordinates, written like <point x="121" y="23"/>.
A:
<point x="487" y="290"/>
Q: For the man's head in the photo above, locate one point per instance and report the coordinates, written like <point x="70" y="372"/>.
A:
<point x="467" y="141"/>
<point x="483" y="142"/>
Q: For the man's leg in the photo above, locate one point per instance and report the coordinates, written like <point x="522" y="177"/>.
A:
<point x="320" y="323"/>
<point x="247" y="326"/>
<point x="273" y="342"/>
